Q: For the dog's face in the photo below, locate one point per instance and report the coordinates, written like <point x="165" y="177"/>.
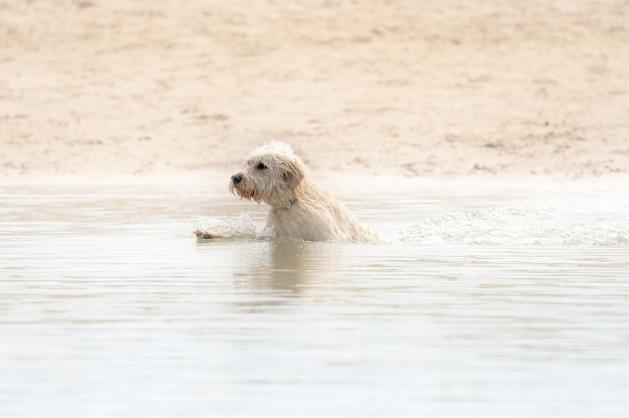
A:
<point x="272" y="175"/>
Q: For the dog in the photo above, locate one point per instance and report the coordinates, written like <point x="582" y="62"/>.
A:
<point x="299" y="208"/>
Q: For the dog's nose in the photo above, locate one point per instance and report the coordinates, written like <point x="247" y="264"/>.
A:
<point x="237" y="178"/>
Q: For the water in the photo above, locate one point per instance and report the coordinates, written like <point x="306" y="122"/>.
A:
<point x="489" y="300"/>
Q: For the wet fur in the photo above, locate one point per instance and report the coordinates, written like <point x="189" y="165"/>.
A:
<point x="299" y="208"/>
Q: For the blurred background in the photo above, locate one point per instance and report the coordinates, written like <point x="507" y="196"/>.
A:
<point x="416" y="88"/>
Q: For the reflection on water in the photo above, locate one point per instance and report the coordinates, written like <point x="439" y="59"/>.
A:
<point x="279" y="267"/>
<point x="290" y="267"/>
<point x="110" y="307"/>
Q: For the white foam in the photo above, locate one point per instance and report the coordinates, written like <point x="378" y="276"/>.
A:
<point x="207" y="227"/>
<point x="528" y="226"/>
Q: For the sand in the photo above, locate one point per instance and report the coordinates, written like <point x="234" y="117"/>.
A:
<point x="419" y="88"/>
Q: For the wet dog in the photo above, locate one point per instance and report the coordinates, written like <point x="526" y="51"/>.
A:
<point x="299" y="208"/>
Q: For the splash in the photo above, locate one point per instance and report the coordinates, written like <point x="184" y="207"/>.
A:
<point x="206" y="227"/>
<point x="521" y="226"/>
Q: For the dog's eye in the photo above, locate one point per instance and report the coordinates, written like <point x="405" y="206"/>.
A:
<point x="261" y="166"/>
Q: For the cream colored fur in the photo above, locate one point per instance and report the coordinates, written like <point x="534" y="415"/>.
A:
<point x="275" y="175"/>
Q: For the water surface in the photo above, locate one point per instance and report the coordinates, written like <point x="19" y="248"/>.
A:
<point x="490" y="300"/>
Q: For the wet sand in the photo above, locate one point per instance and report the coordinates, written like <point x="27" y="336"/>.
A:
<point x="433" y="88"/>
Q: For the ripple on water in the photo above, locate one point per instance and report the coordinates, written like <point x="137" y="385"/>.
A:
<point x="504" y="302"/>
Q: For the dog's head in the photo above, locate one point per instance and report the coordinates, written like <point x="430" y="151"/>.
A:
<point x="272" y="175"/>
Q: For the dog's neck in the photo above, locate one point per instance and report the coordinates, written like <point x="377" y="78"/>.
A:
<point x="285" y="204"/>
<point x="289" y="200"/>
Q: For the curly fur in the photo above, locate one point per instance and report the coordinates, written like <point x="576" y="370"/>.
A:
<point x="275" y="175"/>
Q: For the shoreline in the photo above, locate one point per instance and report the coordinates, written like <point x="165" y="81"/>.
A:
<point x="354" y="178"/>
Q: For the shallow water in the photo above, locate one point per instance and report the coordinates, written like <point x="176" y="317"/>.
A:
<point x="490" y="300"/>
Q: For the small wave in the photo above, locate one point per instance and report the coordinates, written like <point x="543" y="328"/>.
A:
<point x="207" y="227"/>
<point x="517" y="226"/>
<point x="521" y="226"/>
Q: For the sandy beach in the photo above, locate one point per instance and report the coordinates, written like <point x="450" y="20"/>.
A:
<point x="432" y="88"/>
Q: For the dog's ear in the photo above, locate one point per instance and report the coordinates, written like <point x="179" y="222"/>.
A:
<point x="293" y="173"/>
